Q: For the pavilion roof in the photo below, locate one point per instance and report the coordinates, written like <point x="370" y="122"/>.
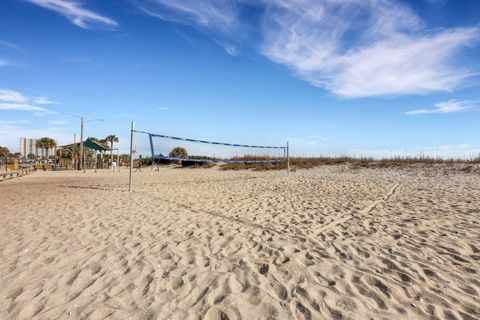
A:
<point x="88" y="143"/>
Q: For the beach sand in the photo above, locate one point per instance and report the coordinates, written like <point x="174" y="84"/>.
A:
<point x="324" y="243"/>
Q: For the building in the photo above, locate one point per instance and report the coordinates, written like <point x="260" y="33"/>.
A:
<point x="28" y="146"/>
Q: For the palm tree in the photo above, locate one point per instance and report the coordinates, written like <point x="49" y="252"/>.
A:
<point x="4" y="151"/>
<point x="111" y="138"/>
<point x="101" y="141"/>
<point x="46" y="143"/>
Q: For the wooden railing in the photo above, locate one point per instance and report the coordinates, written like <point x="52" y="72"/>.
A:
<point x="16" y="174"/>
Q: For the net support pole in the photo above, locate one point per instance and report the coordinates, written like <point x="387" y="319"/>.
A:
<point x="288" y="158"/>
<point x="130" y="175"/>
<point x="151" y="149"/>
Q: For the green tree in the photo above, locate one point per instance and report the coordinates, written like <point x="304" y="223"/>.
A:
<point x="111" y="138"/>
<point x="31" y="156"/>
<point x="178" y="152"/>
<point x="101" y="141"/>
<point x="46" y="143"/>
<point x="4" y="151"/>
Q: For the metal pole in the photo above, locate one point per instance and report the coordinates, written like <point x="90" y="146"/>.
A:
<point x="130" y="176"/>
<point x="111" y="156"/>
<point x="118" y="161"/>
<point x="81" y="145"/>
<point x="95" y="153"/>
<point x="288" y="159"/>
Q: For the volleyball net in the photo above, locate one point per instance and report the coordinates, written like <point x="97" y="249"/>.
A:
<point x="170" y="148"/>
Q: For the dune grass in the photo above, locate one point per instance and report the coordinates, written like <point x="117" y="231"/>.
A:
<point x="311" y="162"/>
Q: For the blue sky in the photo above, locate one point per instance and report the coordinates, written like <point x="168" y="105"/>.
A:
<point x="334" y="77"/>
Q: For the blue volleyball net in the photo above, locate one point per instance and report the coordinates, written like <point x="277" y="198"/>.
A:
<point x="171" y="148"/>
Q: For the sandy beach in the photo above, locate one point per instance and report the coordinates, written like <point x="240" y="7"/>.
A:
<point x="324" y="243"/>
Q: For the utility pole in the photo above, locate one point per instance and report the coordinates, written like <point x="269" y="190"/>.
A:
<point x="81" y="145"/>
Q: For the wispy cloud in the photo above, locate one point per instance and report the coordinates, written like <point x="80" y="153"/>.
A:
<point x="11" y="96"/>
<point x="355" y="48"/>
<point x="14" y="100"/>
<point x="229" y="48"/>
<point x="4" y="62"/>
<point x="186" y="37"/>
<point x="42" y="101"/>
<point x="5" y="45"/>
<point x="218" y="15"/>
<point x="74" y="11"/>
<point x="11" y="131"/>
<point x="21" y="107"/>
<point x="450" y="106"/>
<point x="363" y="48"/>
<point x="13" y="122"/>
<point x="162" y="108"/>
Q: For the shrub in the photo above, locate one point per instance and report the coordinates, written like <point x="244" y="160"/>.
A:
<point x="178" y="152"/>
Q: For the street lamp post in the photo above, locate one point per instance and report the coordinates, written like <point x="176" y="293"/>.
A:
<point x="82" y="121"/>
<point x="81" y="139"/>
<point x="81" y="145"/>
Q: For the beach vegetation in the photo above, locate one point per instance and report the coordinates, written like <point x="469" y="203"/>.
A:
<point x="178" y="152"/>
<point x="4" y="151"/>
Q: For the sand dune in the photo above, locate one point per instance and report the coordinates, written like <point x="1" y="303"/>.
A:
<point x="325" y="243"/>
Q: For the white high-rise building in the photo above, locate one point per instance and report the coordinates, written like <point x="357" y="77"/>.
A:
<point x="28" y="146"/>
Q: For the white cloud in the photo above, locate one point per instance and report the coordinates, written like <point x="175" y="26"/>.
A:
<point x="213" y="15"/>
<point x="11" y="131"/>
<point x="162" y="108"/>
<point x="219" y="15"/>
<point x="229" y="48"/>
<point x="4" y="63"/>
<point x="74" y="12"/>
<point x="354" y="48"/>
<point x="5" y="45"/>
<point x="11" y="96"/>
<point x="42" y="101"/>
<point x="21" y="107"/>
<point x="14" y="100"/>
<point x="13" y="122"/>
<point x="444" y="107"/>
<point x="363" y="48"/>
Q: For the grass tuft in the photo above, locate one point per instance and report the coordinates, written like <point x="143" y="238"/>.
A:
<point x="311" y="162"/>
